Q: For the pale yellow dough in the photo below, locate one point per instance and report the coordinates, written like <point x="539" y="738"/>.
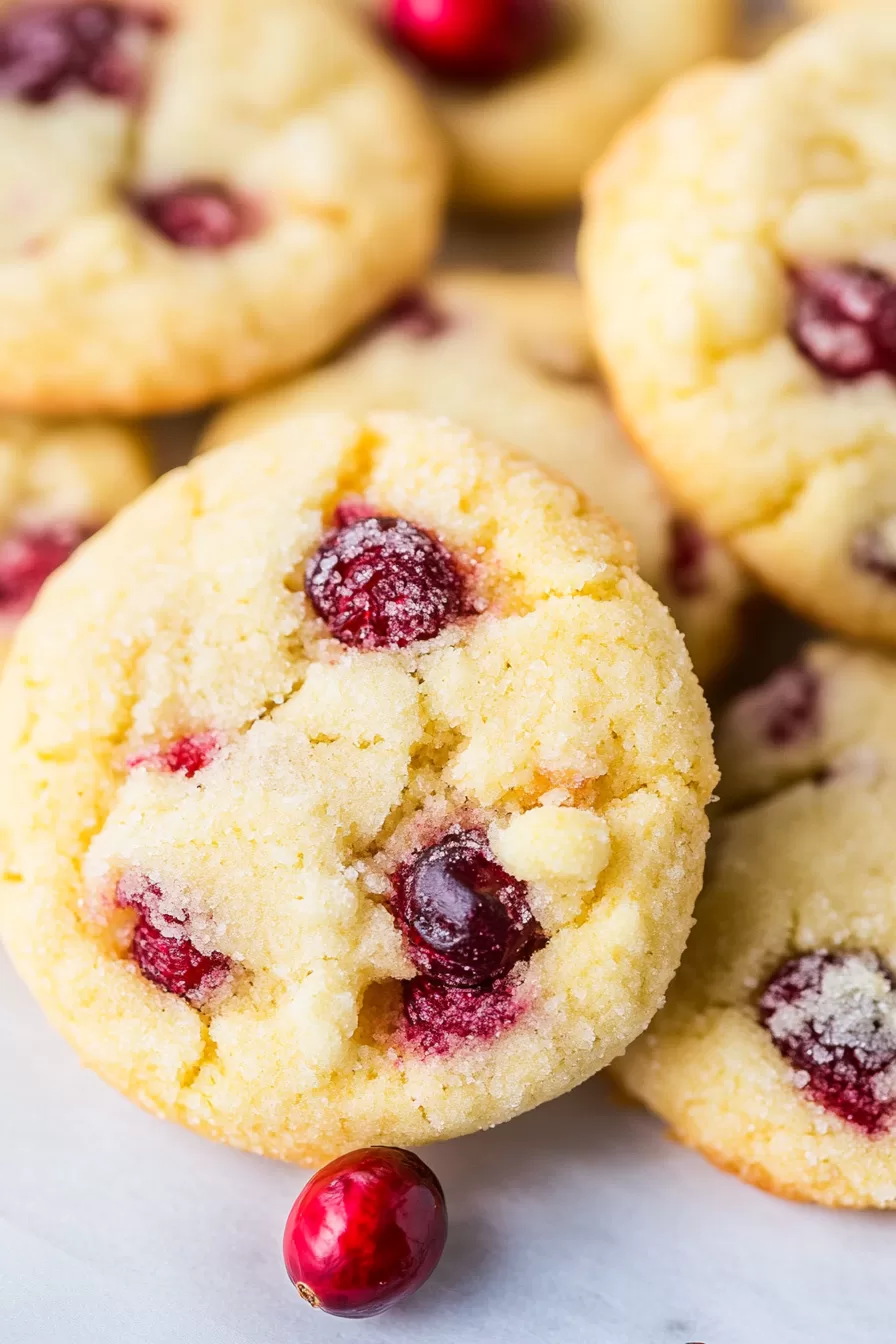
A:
<point x="288" y="103"/>
<point x="735" y="175"/>
<point x="513" y="362"/>
<point x="804" y="861"/>
<point x="566" y="706"/>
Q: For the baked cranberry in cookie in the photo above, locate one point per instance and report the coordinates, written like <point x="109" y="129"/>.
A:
<point x="776" y="1052"/>
<point x="195" y="198"/>
<point x="47" y="50"/>
<point x="509" y="356"/>
<point x="765" y="390"/>
<point x="382" y="583"/>
<point x="388" y="820"/>
<point x="59" y="483"/>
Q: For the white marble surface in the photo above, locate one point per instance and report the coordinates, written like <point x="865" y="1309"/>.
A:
<point x="577" y="1224"/>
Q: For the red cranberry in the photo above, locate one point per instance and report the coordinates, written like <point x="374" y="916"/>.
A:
<point x="50" y="48"/>
<point x="874" y="550"/>
<point x="366" y="1232"/>
<point x="785" y="710"/>
<point x="201" y="215"/>
<point x="466" y="920"/>
<point x="416" y="315"/>
<point x="690" y="549"/>
<point x="29" y="557"/>
<point x="382" y="583"/>
<point x="162" y="948"/>
<point x="843" y="318"/>
<point x="185" y="756"/>
<point x="474" y="41"/>
<point x="438" y="1017"/>
<point x="833" y="1018"/>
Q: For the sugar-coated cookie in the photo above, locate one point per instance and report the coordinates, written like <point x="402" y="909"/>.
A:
<point x="196" y="195"/>
<point x="740" y="262"/>
<point x="775" y="1055"/>
<point x="59" y="483"/>
<point x="509" y="356"/>
<point x="530" y="91"/>
<point x="358" y="790"/>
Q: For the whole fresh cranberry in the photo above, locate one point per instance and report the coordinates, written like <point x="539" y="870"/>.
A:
<point x="832" y="1015"/>
<point x="474" y="41"/>
<point x="467" y="922"/>
<point x="367" y="1231"/>
<point x="382" y="583"/>
<point x="47" y="49"/>
<point x="201" y="215"/>
<point x="184" y="756"/>
<point x="843" y="319"/>
<point x="162" y="948"/>
<point x="29" y="556"/>
<point x="690" y="548"/>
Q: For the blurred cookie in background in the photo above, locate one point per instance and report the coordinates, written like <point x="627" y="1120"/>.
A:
<point x="530" y="91"/>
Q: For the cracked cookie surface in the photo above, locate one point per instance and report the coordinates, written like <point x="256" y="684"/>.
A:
<point x="307" y="865"/>
<point x="524" y="138"/>
<point x="59" y="483"/>
<point x="509" y="356"/>
<point x="739" y="261"/>
<point x="197" y="195"/>
<point x="775" y="1055"/>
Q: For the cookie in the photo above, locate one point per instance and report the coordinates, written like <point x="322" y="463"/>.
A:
<point x="359" y="791"/>
<point x="775" y="1055"/>
<point x="197" y="195"/>
<point x="530" y="91"/>
<point x="59" y="483"/>
<point x="508" y="355"/>
<point x="739" y="261"/>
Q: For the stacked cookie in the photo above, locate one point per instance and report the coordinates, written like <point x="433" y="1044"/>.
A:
<point x="737" y="255"/>
<point x="353" y="781"/>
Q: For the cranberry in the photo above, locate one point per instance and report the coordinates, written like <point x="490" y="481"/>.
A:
<point x="48" y="49"/>
<point x="382" y="583"/>
<point x="784" y="711"/>
<point x="874" y="550"/>
<point x="29" y="557"/>
<point x="366" y="1232"/>
<point x="202" y="215"/>
<point x="416" y="315"/>
<point x="162" y="948"/>
<point x="466" y="920"/>
<point x="438" y="1017"/>
<point x="690" y="549"/>
<point x="474" y="41"/>
<point x="185" y="756"/>
<point x="833" y="1018"/>
<point x="843" y="318"/>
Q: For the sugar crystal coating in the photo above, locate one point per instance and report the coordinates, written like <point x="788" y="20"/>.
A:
<point x="833" y="1017"/>
<point x="383" y="583"/>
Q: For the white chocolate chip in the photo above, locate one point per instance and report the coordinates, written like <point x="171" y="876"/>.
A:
<point x="563" y="846"/>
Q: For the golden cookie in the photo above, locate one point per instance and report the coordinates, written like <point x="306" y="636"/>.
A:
<point x="196" y="195"/>
<point x="775" y="1055"/>
<point x="739" y="258"/>
<point x="358" y="790"/>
